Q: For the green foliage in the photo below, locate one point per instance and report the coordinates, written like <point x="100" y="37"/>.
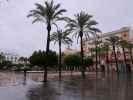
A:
<point x="38" y="58"/>
<point x="82" y="25"/>
<point x="18" y="67"/>
<point x="51" y="59"/>
<point x="41" y="59"/>
<point x="88" y="61"/>
<point x="2" y="58"/>
<point x="48" y="13"/>
<point x="22" y="67"/>
<point x="23" y="59"/>
<point x="61" y="36"/>
<point x="114" y="40"/>
<point x="6" y="64"/>
<point x="72" y="60"/>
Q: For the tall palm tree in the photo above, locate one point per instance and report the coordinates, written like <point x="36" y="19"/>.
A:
<point x="129" y="46"/>
<point x="61" y="37"/>
<point x="82" y="26"/>
<point x="123" y="44"/>
<point x="48" y="13"/>
<point x="97" y="51"/>
<point x="105" y="48"/>
<point x="113" y="40"/>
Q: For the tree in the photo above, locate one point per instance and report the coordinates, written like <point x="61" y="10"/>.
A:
<point x="51" y="59"/>
<point x="97" y="51"/>
<point x="129" y="46"/>
<point x="35" y="58"/>
<point x="48" y="13"/>
<point x="61" y="37"/>
<point x="88" y="61"/>
<point x="82" y="26"/>
<point x="105" y="48"/>
<point x="6" y="64"/>
<point x="72" y="61"/>
<point x="123" y="44"/>
<point x="23" y="60"/>
<point x="114" y="40"/>
<point x="2" y="58"/>
<point x="40" y="58"/>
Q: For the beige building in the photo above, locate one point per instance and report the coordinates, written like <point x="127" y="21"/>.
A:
<point x="69" y="51"/>
<point x="125" y="33"/>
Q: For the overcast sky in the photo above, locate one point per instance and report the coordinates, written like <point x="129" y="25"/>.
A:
<point x="19" y="35"/>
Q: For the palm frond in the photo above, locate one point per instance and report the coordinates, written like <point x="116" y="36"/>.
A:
<point x="48" y="11"/>
<point x="62" y="36"/>
<point x="92" y="22"/>
<point x="40" y="7"/>
<point x="82" y="23"/>
<point x="56" y="7"/>
<point x="37" y="20"/>
<point x="60" y="12"/>
<point x="95" y="29"/>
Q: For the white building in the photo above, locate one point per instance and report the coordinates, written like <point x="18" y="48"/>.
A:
<point x="10" y="57"/>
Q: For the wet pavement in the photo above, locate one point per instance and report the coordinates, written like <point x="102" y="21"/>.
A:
<point x="13" y="86"/>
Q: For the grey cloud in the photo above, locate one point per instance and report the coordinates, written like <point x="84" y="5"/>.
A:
<point x="20" y="35"/>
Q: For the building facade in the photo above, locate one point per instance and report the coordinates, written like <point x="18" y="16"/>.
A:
<point x="69" y="51"/>
<point x="10" y="57"/>
<point x="126" y="33"/>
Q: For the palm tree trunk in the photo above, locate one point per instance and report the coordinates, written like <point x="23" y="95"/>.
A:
<point x="48" y="38"/>
<point x="96" y="58"/>
<point x="99" y="54"/>
<point x="107" y="60"/>
<point x="60" y="59"/>
<point x="116" y="61"/>
<point x="123" y="49"/>
<point x="82" y="55"/>
<point x="47" y="51"/>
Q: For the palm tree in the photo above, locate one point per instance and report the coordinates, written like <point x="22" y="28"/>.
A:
<point x="123" y="44"/>
<point x="61" y="37"/>
<point x="48" y="13"/>
<point x="82" y="26"/>
<point x="105" y="48"/>
<point x="97" y="51"/>
<point x="113" y="40"/>
<point x="129" y="46"/>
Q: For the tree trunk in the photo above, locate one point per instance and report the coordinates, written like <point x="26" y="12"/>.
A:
<point x="116" y="61"/>
<point x="124" y="55"/>
<point x="99" y="54"/>
<point x="47" y="51"/>
<point x="82" y="55"/>
<point x="96" y="58"/>
<point x="48" y="38"/>
<point x="60" y="65"/>
<point x="107" y="60"/>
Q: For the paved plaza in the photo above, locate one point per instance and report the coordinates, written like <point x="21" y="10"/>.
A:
<point x="13" y="86"/>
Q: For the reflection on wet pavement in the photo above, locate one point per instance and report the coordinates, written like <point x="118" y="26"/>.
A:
<point x="105" y="87"/>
